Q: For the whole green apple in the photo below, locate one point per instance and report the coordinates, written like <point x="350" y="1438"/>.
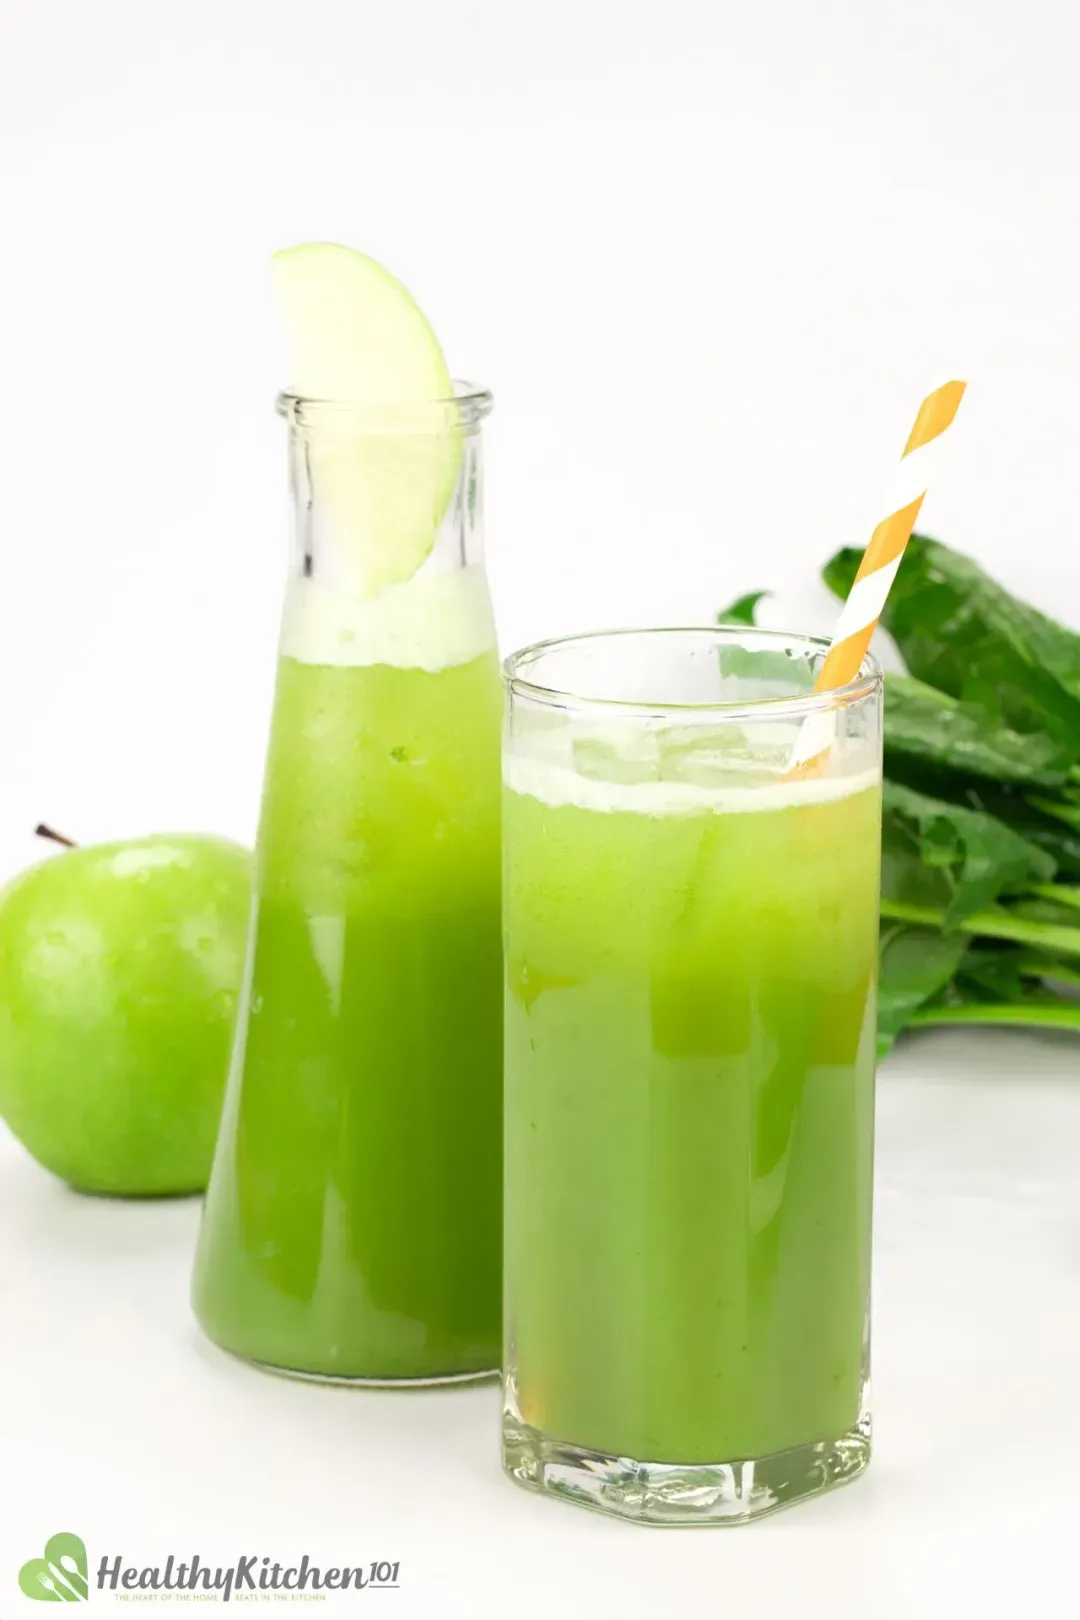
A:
<point x="120" y="966"/>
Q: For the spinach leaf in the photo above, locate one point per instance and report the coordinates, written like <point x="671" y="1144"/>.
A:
<point x="924" y="723"/>
<point x="992" y="973"/>
<point x="1034" y="817"/>
<point x="762" y="671"/>
<point x="743" y="610"/>
<point x="1003" y="800"/>
<point x="960" y="631"/>
<point x="1062" y="846"/>
<point x="906" y="880"/>
<point x="915" y="964"/>
<point x="972" y="857"/>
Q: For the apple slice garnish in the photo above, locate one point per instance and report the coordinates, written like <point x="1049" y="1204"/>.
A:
<point x="383" y="456"/>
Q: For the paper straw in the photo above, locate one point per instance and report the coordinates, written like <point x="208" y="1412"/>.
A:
<point x="881" y="560"/>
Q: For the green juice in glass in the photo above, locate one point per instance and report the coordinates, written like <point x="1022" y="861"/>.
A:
<point x="690" y="1058"/>
<point x="353" y="1221"/>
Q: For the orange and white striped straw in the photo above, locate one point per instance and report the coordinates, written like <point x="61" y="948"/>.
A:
<point x="881" y="561"/>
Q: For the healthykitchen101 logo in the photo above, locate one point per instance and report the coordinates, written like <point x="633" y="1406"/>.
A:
<point x="61" y="1575"/>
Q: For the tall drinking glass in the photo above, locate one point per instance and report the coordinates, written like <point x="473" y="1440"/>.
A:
<point x="353" y="1222"/>
<point x="691" y="948"/>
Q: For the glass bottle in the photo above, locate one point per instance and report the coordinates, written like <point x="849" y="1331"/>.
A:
<point x="352" y="1223"/>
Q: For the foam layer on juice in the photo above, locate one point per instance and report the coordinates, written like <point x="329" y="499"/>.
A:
<point x="433" y="621"/>
<point x="547" y="772"/>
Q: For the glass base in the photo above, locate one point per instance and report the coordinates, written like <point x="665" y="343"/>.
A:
<point x="659" y="1493"/>
<point x="362" y="1380"/>
<point x="359" y="1381"/>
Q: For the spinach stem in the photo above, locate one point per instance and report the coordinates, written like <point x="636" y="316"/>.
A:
<point x="1068" y="813"/>
<point x="1048" y="1015"/>
<point x="1037" y="966"/>
<point x="1066" y="894"/>
<point x="993" y="925"/>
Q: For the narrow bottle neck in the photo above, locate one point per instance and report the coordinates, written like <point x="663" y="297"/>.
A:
<point x="386" y="562"/>
<point x="371" y="510"/>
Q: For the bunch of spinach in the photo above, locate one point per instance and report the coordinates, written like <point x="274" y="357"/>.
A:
<point x="980" y="904"/>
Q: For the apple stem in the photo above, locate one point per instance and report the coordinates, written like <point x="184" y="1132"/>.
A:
<point x="41" y="831"/>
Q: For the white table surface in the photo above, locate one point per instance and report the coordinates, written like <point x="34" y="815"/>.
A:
<point x="118" y="1421"/>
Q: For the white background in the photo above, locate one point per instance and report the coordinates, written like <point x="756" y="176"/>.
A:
<point x="709" y="256"/>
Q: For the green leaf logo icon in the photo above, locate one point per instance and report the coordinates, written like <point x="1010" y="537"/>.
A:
<point x="60" y="1576"/>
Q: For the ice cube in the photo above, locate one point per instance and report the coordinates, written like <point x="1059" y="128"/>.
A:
<point x="717" y="756"/>
<point x="618" y="755"/>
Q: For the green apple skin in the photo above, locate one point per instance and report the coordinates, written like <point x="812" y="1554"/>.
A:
<point x="120" y="968"/>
